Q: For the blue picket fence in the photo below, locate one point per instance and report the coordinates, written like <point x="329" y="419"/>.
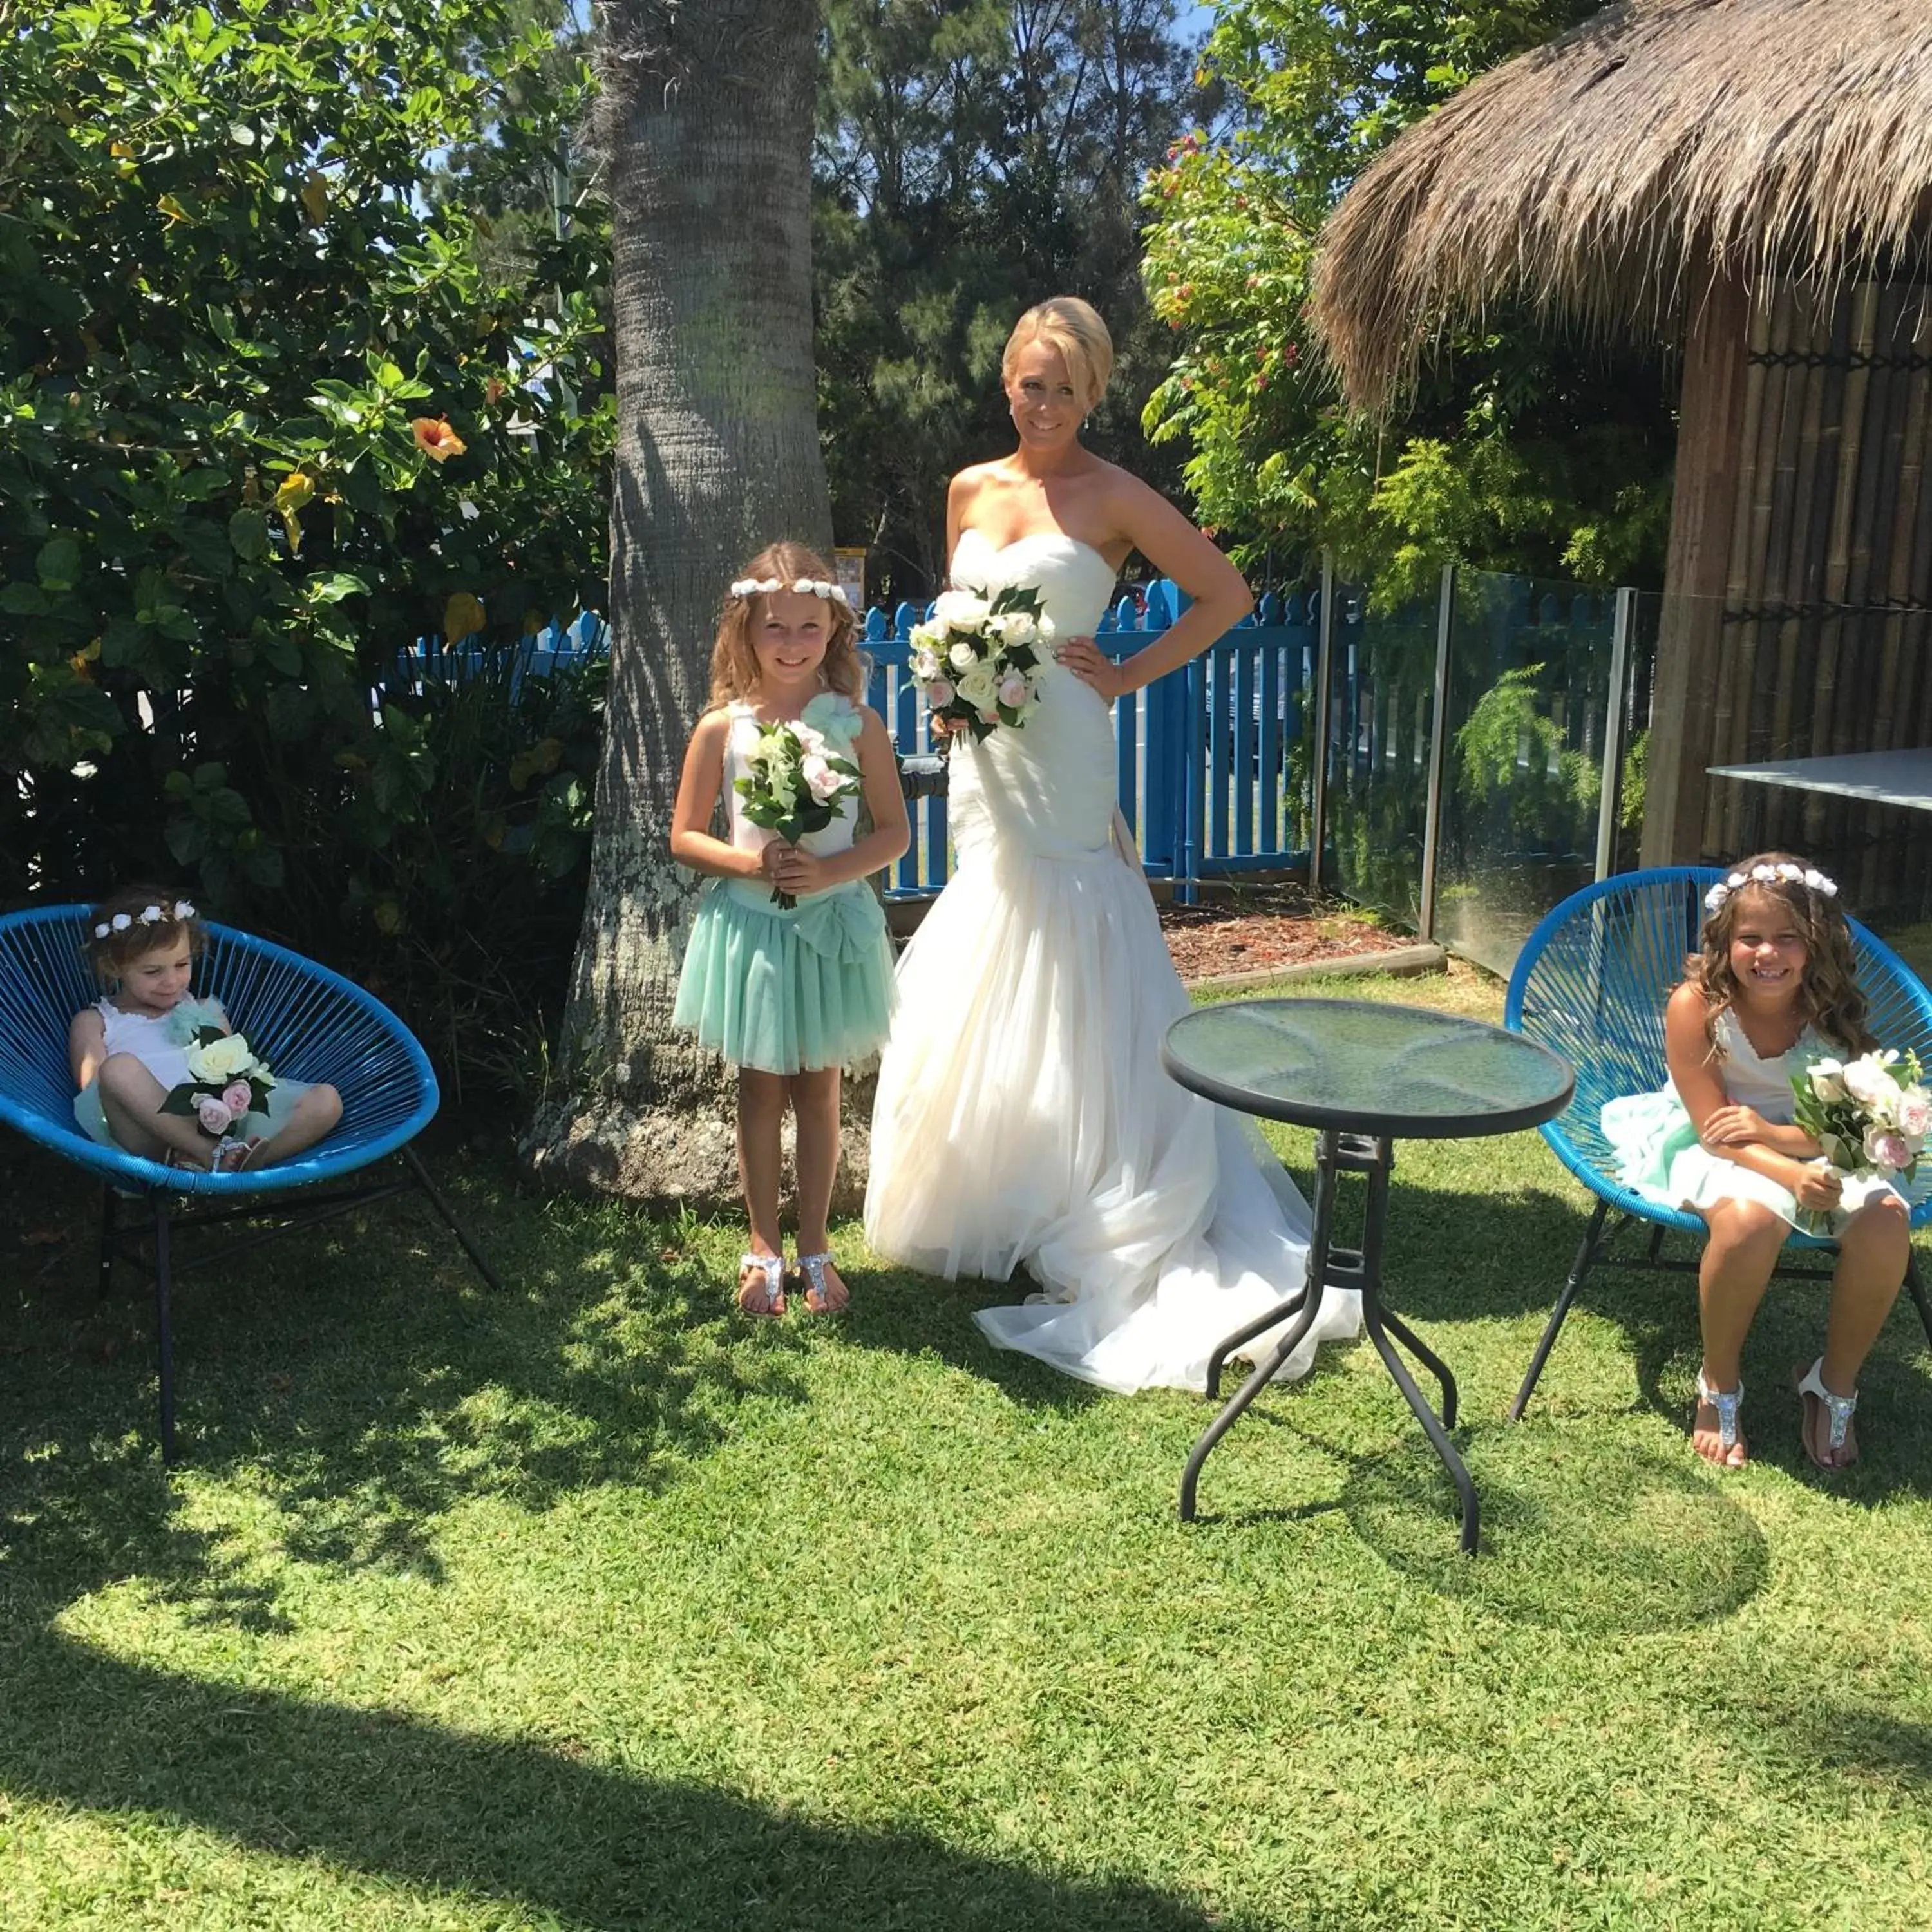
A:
<point x="557" y="647"/>
<point x="1203" y="756"/>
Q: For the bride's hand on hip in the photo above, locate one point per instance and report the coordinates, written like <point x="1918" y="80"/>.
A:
<point x="1093" y="667"/>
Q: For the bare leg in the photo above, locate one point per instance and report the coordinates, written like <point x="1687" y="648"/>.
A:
<point x="1738" y="1257"/>
<point x="1872" y="1251"/>
<point x="761" y="1105"/>
<point x="814" y="1103"/>
<point x="315" y="1114"/>
<point x="131" y="1097"/>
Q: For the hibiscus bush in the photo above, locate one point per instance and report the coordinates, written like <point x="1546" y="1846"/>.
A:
<point x="272" y="406"/>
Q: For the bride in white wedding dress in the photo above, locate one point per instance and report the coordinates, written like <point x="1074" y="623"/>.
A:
<point x="1024" y="1120"/>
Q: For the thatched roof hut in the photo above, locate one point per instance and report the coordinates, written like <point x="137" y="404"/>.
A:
<point x="1751" y="179"/>
<point x="1609" y="175"/>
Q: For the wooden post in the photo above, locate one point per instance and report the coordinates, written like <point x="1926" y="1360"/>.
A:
<point x="1710" y="427"/>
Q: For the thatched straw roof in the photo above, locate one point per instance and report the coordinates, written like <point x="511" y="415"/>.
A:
<point x="1603" y="175"/>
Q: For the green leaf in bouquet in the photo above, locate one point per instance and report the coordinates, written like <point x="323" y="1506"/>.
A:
<point x="180" y="1101"/>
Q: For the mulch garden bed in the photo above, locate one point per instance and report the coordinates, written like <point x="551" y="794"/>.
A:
<point x="1254" y="928"/>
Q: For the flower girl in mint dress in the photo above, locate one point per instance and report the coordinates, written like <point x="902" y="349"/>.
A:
<point x="129" y="1049"/>
<point x="789" y="971"/>
<point x="1773" y="992"/>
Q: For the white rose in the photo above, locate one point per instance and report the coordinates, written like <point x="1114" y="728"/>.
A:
<point x="1015" y="627"/>
<point x="1827" y="1078"/>
<point x="219" y="1061"/>
<point x="1914" y="1113"/>
<point x="811" y="740"/>
<point x="1868" y="1082"/>
<point x="960" y="609"/>
<point x="926" y="637"/>
<point x="925" y="665"/>
<point x="979" y="688"/>
<point x="963" y="656"/>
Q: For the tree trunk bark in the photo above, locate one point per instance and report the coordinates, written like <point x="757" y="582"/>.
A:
<point x="705" y="122"/>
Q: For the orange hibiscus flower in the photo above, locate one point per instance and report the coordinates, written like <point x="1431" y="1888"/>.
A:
<point x="436" y="438"/>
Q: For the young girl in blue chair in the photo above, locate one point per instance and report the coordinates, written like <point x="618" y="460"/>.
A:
<point x="1774" y="990"/>
<point x="130" y="1048"/>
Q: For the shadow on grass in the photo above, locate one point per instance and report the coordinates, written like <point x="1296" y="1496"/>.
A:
<point x="362" y="1375"/>
<point x="399" y="1798"/>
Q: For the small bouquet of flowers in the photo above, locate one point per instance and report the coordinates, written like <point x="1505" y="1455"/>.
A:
<point x="226" y="1082"/>
<point x="978" y="661"/>
<point x="1870" y="1115"/>
<point x="797" y="783"/>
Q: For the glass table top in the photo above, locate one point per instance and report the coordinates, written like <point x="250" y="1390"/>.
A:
<point x="1382" y="1070"/>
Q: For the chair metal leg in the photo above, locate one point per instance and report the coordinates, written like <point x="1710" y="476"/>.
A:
<point x="164" y="1332"/>
<point x="1586" y="1254"/>
<point x="110" y="1226"/>
<point x="1915" y="1286"/>
<point x="449" y="1220"/>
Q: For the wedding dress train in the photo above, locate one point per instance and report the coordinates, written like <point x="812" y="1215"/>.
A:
<point x="1024" y="1119"/>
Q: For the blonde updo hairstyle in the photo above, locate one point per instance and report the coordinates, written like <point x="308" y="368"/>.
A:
<point x="1074" y="328"/>
<point x="734" y="661"/>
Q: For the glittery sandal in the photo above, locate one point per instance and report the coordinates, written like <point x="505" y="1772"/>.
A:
<point x="1726" y="1403"/>
<point x="762" y="1292"/>
<point x="1839" y="1407"/>
<point x="817" y="1293"/>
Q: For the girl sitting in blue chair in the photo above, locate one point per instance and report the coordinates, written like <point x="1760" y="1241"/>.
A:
<point x="132" y="1048"/>
<point x="1773" y="992"/>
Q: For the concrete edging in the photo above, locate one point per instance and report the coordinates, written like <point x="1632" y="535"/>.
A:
<point x="1402" y="961"/>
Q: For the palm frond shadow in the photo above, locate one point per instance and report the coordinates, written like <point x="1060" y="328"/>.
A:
<point x="366" y="1381"/>
<point x="560" y="1836"/>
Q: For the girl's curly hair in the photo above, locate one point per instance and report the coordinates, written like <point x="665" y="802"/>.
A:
<point x="1827" y="994"/>
<point x="111" y="953"/>
<point x="734" y="663"/>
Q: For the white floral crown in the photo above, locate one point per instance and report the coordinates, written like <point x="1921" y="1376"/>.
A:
<point x="1783" y="873"/>
<point x="152" y="915"/>
<point x="805" y="586"/>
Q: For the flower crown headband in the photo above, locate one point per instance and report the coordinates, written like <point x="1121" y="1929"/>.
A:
<point x="1784" y="873"/>
<point x="805" y="586"/>
<point x="153" y="915"/>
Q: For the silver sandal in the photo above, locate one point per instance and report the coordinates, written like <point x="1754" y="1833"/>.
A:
<point x="1839" y="1408"/>
<point x="813" y="1267"/>
<point x="1726" y="1403"/>
<point x="772" y="1268"/>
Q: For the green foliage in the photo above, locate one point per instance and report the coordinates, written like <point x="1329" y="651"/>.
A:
<point x="268" y="413"/>
<point x="973" y="159"/>
<point x="1519" y="453"/>
<point x="1510" y="747"/>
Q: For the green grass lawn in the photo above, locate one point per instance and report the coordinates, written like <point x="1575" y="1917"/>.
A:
<point x="593" y="1606"/>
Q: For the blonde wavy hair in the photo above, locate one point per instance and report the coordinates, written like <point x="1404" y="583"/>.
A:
<point x="1828" y="993"/>
<point x="1073" y="327"/>
<point x="734" y="660"/>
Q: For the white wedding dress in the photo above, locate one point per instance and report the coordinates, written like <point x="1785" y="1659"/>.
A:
<point x="1024" y="1119"/>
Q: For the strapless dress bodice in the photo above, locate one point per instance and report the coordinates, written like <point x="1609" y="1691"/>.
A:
<point x="1047" y="789"/>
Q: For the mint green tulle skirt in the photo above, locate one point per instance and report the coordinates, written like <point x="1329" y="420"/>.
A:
<point x="277" y="1105"/>
<point x="787" y="992"/>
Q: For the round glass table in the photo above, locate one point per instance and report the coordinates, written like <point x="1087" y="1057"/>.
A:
<point x="1363" y="1075"/>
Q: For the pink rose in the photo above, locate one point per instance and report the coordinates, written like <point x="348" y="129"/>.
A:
<point x="1885" y="1149"/>
<point x="237" y="1099"/>
<point x="820" y="779"/>
<point x="1013" y="690"/>
<point x="1914" y="1113"/>
<point x="216" y="1116"/>
<point x="990" y="715"/>
<point x="939" y="694"/>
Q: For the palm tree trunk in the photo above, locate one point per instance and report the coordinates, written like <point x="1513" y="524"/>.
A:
<point x="706" y="121"/>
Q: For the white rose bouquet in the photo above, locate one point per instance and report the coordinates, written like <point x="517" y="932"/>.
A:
<point x="796" y="784"/>
<point x="978" y="661"/>
<point x="227" y="1080"/>
<point x="1870" y="1115"/>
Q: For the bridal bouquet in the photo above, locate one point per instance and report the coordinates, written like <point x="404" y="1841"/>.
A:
<point x="227" y="1080"/>
<point x="797" y="783"/>
<point x="978" y="661"/>
<point x="1870" y="1115"/>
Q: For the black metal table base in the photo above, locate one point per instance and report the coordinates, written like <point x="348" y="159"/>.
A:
<point x="1329" y="1266"/>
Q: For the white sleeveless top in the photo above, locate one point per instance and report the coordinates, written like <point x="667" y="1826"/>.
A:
<point x="838" y="719"/>
<point x="146" y="1037"/>
<point x="1764" y="1085"/>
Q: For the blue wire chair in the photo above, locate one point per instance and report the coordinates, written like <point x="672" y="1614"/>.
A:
<point x="1590" y="983"/>
<point x="307" y="1022"/>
